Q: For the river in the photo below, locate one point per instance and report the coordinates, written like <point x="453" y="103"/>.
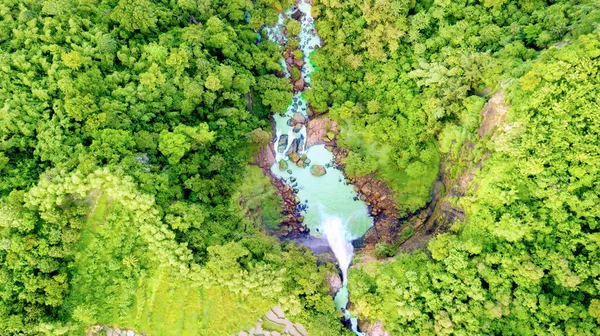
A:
<point x="330" y="206"/>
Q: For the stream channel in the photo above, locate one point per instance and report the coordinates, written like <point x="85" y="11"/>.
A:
<point x="331" y="208"/>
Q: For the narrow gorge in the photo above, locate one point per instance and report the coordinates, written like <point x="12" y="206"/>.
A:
<point x="329" y="207"/>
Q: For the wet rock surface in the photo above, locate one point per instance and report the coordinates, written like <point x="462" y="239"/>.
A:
<point x="335" y="283"/>
<point x="382" y="205"/>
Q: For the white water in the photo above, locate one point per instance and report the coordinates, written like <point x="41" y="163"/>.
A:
<point x="334" y="231"/>
<point x="331" y="207"/>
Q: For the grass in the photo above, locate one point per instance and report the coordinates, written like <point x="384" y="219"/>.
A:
<point x="167" y="305"/>
<point x="99" y="210"/>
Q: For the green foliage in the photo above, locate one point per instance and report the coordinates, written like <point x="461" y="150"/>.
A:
<point x="258" y="200"/>
<point x="384" y="250"/>
<point x="526" y="261"/>
<point x="124" y="138"/>
<point x="400" y="76"/>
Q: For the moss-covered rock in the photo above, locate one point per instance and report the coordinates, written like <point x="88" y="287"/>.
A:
<point x="318" y="170"/>
<point x="283" y="165"/>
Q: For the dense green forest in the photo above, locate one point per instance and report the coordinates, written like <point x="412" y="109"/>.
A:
<point x="125" y="134"/>
<point x="127" y="197"/>
<point x="408" y="78"/>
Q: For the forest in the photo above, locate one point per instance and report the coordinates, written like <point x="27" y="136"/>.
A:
<point x="129" y="194"/>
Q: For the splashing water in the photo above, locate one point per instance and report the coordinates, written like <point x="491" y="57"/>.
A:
<point x="335" y="233"/>
<point x="330" y="206"/>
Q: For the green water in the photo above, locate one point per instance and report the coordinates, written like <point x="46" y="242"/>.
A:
<point x="329" y="205"/>
<point x="327" y="195"/>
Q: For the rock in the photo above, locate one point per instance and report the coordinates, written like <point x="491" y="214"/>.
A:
<point x="299" y="63"/>
<point x="289" y="60"/>
<point x="335" y="283"/>
<point x="243" y="333"/>
<point x="294" y="157"/>
<point x="299" y="85"/>
<point x="283" y="141"/>
<point x="300" y="163"/>
<point x="293" y="147"/>
<point x="297" y="128"/>
<point x="130" y="333"/>
<point x="317" y="170"/>
<point x="317" y="129"/>
<point x="373" y="329"/>
<point x="109" y="331"/>
<point x="283" y="165"/>
<point x="298" y="118"/>
<point x="494" y="114"/>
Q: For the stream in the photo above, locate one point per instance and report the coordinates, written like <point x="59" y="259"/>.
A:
<point x="330" y="206"/>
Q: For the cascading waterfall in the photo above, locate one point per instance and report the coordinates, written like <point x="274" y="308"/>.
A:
<point x="335" y="232"/>
<point x="331" y="208"/>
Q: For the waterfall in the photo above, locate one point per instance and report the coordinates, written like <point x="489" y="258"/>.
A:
<point x="334" y="231"/>
<point x="330" y="206"/>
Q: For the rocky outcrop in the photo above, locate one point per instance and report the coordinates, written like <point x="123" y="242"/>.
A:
<point x="442" y="212"/>
<point x="382" y="205"/>
<point x="335" y="283"/>
<point x="266" y="156"/>
<point x="283" y="142"/>
<point x="321" y="131"/>
<point x="373" y="329"/>
<point x="493" y="113"/>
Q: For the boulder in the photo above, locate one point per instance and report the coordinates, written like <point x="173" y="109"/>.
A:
<point x="289" y="60"/>
<point x="300" y="163"/>
<point x="294" y="157"/>
<point x="283" y="141"/>
<point x="299" y="85"/>
<point x="297" y="128"/>
<point x="317" y="170"/>
<point x="298" y="118"/>
<point x="283" y="165"/>
<point x="293" y="147"/>
<point x="299" y="63"/>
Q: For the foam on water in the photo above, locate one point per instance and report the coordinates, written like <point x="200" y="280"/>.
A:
<point x="331" y="208"/>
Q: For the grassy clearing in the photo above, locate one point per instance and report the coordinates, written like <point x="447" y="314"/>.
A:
<point x="165" y="305"/>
